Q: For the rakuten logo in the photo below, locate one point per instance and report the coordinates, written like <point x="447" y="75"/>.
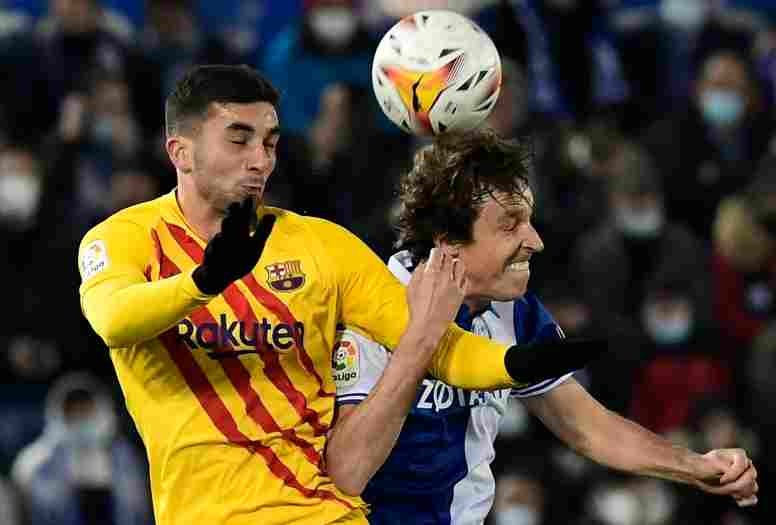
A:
<point x="239" y="335"/>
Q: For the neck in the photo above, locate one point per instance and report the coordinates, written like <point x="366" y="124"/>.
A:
<point x="200" y="215"/>
<point x="476" y="304"/>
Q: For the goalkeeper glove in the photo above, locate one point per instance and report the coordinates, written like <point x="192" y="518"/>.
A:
<point x="534" y="362"/>
<point x="233" y="252"/>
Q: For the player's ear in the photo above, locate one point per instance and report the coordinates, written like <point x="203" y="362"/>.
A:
<point x="180" y="153"/>
<point x="447" y="248"/>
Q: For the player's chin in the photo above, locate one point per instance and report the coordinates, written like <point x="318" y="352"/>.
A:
<point x="514" y="285"/>
<point x="257" y="194"/>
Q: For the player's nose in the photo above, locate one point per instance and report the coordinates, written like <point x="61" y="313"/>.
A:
<point x="260" y="159"/>
<point x="534" y="240"/>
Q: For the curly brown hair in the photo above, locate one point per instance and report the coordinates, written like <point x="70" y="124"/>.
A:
<point x="450" y="179"/>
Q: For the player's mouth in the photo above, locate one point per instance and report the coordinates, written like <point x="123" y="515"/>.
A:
<point x="518" y="266"/>
<point x="519" y="262"/>
<point x="253" y="189"/>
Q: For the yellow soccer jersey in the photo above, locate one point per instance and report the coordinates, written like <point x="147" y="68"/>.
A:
<point x="233" y="394"/>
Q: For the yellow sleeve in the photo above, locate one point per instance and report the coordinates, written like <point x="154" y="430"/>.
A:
<point x="118" y="300"/>
<point x="374" y="301"/>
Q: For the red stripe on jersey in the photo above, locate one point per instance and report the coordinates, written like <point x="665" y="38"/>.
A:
<point x="240" y="378"/>
<point x="219" y="414"/>
<point x="279" y="308"/>
<point x="166" y="267"/>
<point x="272" y="368"/>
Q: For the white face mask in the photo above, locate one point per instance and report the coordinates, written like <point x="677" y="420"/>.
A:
<point x="618" y="507"/>
<point x="335" y="25"/>
<point x="96" y="430"/>
<point x="667" y="330"/>
<point x="102" y="130"/>
<point x="722" y="108"/>
<point x="19" y="197"/>
<point x="641" y="224"/>
<point x="517" y="515"/>
<point x="687" y="15"/>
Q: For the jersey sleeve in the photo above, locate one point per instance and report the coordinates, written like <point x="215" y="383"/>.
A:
<point x="372" y="300"/>
<point x="544" y="328"/>
<point x="117" y="297"/>
<point x="357" y="365"/>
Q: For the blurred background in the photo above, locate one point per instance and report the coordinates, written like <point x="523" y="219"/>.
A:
<point x="655" y="146"/>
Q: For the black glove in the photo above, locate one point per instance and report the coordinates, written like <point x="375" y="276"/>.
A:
<point x="233" y="252"/>
<point x="536" y="362"/>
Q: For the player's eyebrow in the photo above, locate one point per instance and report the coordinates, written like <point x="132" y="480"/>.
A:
<point x="513" y="214"/>
<point x="241" y="126"/>
<point x="509" y="217"/>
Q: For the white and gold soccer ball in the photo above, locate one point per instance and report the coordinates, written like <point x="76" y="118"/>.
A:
<point x="436" y="71"/>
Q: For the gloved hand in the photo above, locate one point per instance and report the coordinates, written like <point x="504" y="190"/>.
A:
<point x="233" y="252"/>
<point x="534" y="362"/>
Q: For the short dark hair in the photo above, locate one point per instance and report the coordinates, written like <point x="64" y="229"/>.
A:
<point x="443" y="193"/>
<point x="205" y="84"/>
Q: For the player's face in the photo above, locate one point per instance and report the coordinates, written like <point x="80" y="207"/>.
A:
<point x="234" y="152"/>
<point x="497" y="261"/>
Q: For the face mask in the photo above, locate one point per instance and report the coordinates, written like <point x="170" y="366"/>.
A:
<point x="722" y="108"/>
<point x="19" y="196"/>
<point x="640" y="224"/>
<point x="102" y="130"/>
<point x="669" y="331"/>
<point x="687" y="15"/>
<point x="517" y="515"/>
<point x="96" y="430"/>
<point x="618" y="507"/>
<point x="334" y="25"/>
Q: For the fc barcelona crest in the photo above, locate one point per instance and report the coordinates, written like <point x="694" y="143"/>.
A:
<point x="285" y="276"/>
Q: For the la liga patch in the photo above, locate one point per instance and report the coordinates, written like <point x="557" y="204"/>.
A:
<point x="345" y="362"/>
<point x="94" y="259"/>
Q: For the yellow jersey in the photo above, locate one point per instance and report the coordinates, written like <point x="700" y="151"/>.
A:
<point x="233" y="394"/>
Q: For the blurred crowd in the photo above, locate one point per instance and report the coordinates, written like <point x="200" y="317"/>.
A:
<point x="653" y="124"/>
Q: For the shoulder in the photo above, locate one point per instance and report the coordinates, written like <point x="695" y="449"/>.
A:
<point x="318" y="224"/>
<point x="126" y="235"/>
<point x="530" y="303"/>
<point x="335" y="236"/>
<point x="537" y="322"/>
<point x="143" y="216"/>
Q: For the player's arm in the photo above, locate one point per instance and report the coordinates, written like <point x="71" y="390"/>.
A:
<point x="585" y="425"/>
<point x="364" y="434"/>
<point x="119" y="302"/>
<point x="125" y="308"/>
<point x="373" y="300"/>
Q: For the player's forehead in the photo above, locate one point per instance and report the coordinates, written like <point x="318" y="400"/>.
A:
<point x="500" y="206"/>
<point x="258" y="116"/>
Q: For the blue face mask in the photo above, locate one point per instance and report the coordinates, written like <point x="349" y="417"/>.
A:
<point x="722" y="108"/>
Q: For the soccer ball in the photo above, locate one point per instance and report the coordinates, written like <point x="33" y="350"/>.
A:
<point x="436" y="71"/>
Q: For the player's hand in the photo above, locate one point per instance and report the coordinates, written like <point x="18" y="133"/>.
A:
<point x="435" y="293"/>
<point x="729" y="472"/>
<point x="233" y="252"/>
